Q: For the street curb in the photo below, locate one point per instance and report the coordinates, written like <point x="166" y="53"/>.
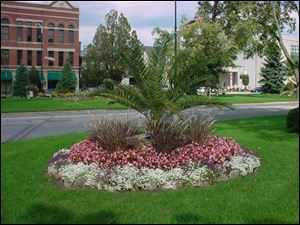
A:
<point x="88" y="111"/>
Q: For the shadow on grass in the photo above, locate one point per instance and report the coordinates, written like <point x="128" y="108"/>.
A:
<point x="266" y="221"/>
<point x="45" y="214"/>
<point x="190" y="218"/>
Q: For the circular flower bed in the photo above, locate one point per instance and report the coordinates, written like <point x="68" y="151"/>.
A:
<point x="86" y="164"/>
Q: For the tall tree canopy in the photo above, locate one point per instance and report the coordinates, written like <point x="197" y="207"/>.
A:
<point x="102" y="59"/>
<point x="254" y="24"/>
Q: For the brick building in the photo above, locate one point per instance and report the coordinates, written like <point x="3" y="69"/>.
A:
<point x="41" y="35"/>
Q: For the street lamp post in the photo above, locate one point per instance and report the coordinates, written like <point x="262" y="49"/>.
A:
<point x="42" y="36"/>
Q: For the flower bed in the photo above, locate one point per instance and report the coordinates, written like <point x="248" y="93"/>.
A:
<point x="86" y="164"/>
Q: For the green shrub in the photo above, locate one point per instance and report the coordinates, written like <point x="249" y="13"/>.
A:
<point x="33" y="88"/>
<point x="289" y="90"/>
<point x="69" y="94"/>
<point x="34" y="78"/>
<point x="109" y="84"/>
<point x="54" y="94"/>
<point x="40" y="94"/>
<point x="245" y="80"/>
<point x="292" y="121"/>
<point x="113" y="134"/>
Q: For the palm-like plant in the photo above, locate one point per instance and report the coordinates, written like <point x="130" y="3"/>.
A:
<point x="159" y="92"/>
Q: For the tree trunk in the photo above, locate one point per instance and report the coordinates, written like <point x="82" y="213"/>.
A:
<point x="283" y="48"/>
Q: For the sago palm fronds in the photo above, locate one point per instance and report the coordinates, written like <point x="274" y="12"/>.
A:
<point x="159" y="92"/>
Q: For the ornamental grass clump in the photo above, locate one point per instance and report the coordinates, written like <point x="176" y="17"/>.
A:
<point x="197" y="129"/>
<point x="166" y="136"/>
<point x="113" y="134"/>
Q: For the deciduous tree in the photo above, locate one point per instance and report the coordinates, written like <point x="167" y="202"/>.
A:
<point x="102" y="59"/>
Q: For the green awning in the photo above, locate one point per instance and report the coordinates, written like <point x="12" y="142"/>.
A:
<point x="56" y="75"/>
<point x="40" y="76"/>
<point x="6" y="75"/>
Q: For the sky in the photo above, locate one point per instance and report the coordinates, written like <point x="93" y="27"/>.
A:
<point x="143" y="16"/>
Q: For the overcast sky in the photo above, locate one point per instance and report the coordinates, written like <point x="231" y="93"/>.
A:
<point x="143" y="16"/>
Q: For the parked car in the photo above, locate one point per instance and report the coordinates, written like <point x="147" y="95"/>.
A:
<point x="257" y="90"/>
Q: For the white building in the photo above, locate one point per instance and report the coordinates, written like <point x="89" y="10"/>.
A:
<point x="231" y="81"/>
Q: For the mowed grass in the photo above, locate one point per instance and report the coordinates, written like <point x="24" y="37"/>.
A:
<point x="253" y="98"/>
<point x="271" y="195"/>
<point x="54" y="104"/>
<point x="60" y="104"/>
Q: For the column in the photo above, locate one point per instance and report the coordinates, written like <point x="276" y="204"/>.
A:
<point x="230" y="80"/>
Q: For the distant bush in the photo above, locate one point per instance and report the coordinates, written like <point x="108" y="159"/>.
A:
<point x="40" y="94"/>
<point x="292" y="121"/>
<point x="245" y="80"/>
<point x="69" y="94"/>
<point x="289" y="90"/>
<point x="33" y="88"/>
<point x="54" y="94"/>
<point x="109" y="84"/>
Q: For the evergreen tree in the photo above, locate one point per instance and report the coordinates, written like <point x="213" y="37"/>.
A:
<point x="66" y="84"/>
<point x="34" y="78"/>
<point x="19" y="86"/>
<point x="274" y="72"/>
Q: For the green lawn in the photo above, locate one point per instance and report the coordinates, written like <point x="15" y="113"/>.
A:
<point x="54" y="104"/>
<point x="59" y="104"/>
<point x="253" y="98"/>
<point x="269" y="196"/>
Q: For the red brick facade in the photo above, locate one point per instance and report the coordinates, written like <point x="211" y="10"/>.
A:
<point x="58" y="13"/>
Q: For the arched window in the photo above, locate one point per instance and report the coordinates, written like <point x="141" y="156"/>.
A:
<point x="50" y="32"/>
<point x="4" y="29"/>
<point x="71" y="34"/>
<point x="61" y="33"/>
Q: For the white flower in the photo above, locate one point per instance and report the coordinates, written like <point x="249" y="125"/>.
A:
<point x="129" y="177"/>
<point x="244" y="163"/>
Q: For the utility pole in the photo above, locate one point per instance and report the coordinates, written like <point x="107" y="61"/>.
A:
<point x="42" y="37"/>
<point x="175" y="36"/>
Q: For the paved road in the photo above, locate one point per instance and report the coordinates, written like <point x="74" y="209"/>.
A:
<point x="17" y="126"/>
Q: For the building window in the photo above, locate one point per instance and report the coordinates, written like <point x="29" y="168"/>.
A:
<point x="51" y="33"/>
<point x="39" y="33"/>
<point x="71" y="34"/>
<point x="29" y="58"/>
<point x="39" y="58"/>
<point x="71" y="58"/>
<point x="4" y="29"/>
<point x="19" y="31"/>
<point x="60" y="58"/>
<point x="19" y="57"/>
<point x="295" y="50"/>
<point x="50" y="54"/>
<point x="4" y="57"/>
<point x="61" y="34"/>
<point x="29" y="31"/>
